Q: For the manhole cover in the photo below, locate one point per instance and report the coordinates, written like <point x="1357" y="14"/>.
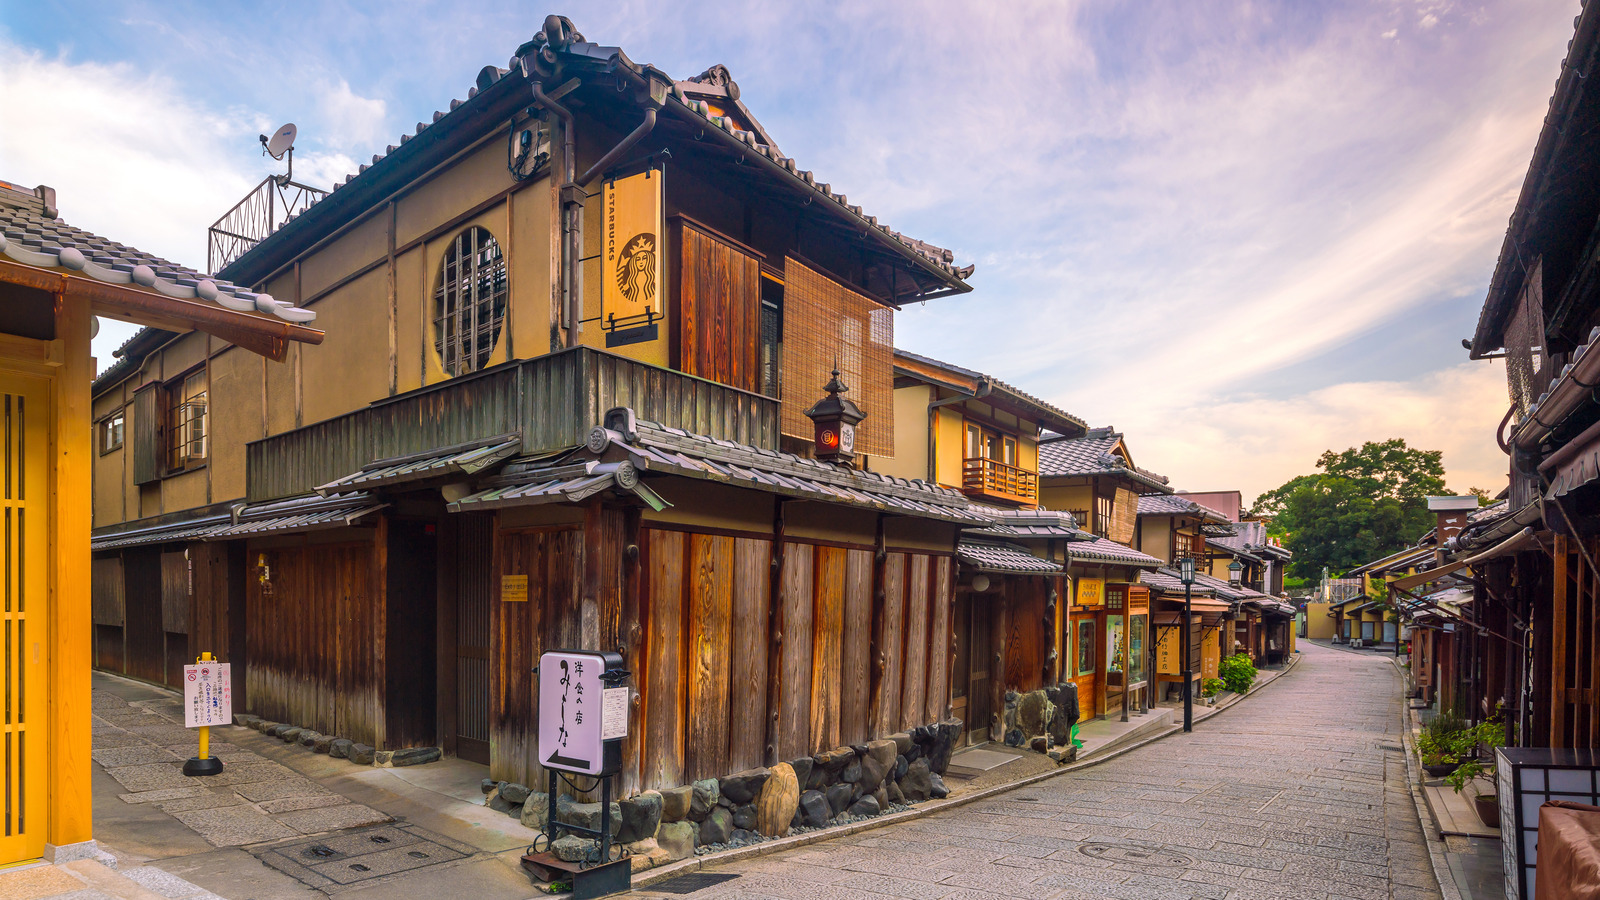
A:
<point x="1137" y="855"/>
<point x="688" y="884"/>
<point x="361" y="857"/>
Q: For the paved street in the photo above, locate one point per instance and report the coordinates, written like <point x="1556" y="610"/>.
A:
<point x="1299" y="792"/>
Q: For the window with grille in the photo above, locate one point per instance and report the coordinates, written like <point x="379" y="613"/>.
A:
<point x="1184" y="545"/>
<point x="187" y="435"/>
<point x="469" y="302"/>
<point x="111" y="431"/>
<point x="1102" y="516"/>
<point x="771" y="335"/>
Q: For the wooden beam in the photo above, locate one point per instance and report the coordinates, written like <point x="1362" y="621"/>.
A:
<point x="269" y="337"/>
<point x="775" y="625"/>
<point x="1558" y="646"/>
<point x="47" y="353"/>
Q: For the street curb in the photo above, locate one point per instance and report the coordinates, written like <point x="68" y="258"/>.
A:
<point x="1448" y="889"/>
<point x="694" y="864"/>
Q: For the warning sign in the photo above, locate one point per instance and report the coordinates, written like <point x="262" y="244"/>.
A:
<point x="207" y="695"/>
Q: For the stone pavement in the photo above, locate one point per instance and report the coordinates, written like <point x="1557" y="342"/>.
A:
<point x="1298" y="793"/>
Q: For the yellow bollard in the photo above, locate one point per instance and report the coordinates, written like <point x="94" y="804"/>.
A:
<point x="203" y="764"/>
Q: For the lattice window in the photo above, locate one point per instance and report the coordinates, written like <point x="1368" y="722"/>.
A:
<point x="187" y="434"/>
<point x="469" y="302"/>
<point x="112" y="428"/>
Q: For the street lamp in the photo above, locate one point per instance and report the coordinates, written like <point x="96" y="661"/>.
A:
<point x="1235" y="573"/>
<point x="1186" y="575"/>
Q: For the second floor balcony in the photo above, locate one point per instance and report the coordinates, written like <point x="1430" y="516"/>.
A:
<point x="991" y="479"/>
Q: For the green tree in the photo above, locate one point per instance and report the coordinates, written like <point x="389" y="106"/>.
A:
<point x="1367" y="502"/>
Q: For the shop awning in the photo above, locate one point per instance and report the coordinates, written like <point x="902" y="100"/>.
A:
<point x="1200" y="604"/>
<point x="301" y="514"/>
<point x="460" y="461"/>
<point x="571" y="483"/>
<point x="1012" y="559"/>
<point x="188" y="530"/>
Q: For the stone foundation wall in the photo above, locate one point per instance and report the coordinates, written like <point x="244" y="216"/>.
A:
<point x="1042" y="720"/>
<point x="834" y="787"/>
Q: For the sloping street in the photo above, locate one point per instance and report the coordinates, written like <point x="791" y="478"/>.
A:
<point x="1298" y="793"/>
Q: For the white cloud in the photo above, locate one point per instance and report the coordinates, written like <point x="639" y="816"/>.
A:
<point x="1256" y="443"/>
<point x="355" y="121"/>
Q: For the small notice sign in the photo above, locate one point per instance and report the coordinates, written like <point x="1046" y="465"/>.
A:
<point x="571" y="712"/>
<point x="207" y="695"/>
<point x="616" y="714"/>
<point x="514" y="588"/>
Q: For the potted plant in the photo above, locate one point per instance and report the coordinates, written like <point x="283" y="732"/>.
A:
<point x="1209" y="689"/>
<point x="1237" y="673"/>
<point x="1475" y="745"/>
<point x="1440" y="743"/>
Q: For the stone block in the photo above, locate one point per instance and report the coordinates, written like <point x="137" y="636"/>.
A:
<point x="487" y="785"/>
<point x="1033" y="713"/>
<point x="641" y="816"/>
<point x="742" y="787"/>
<point x="703" y="799"/>
<point x="892" y="790"/>
<point x="361" y="754"/>
<point x="587" y="815"/>
<point x="289" y="734"/>
<point x="902" y="742"/>
<point x="308" y="738"/>
<point x="676" y="839"/>
<point x="778" y="802"/>
<point x="718" y="827"/>
<point x="322" y="744"/>
<point x="535" y="811"/>
<point x="647" y="854"/>
<point x="514" y="794"/>
<point x="835" y="760"/>
<point x="339" y="748"/>
<point x="866" y="806"/>
<point x="852" y="772"/>
<point x="802" y="769"/>
<point x="744" y="818"/>
<point x="416" y="756"/>
<point x="382" y="758"/>
<point x="571" y="848"/>
<point x="498" y="803"/>
<point x="937" y="788"/>
<point x="814" y="809"/>
<point x="839" y="796"/>
<point x="1039" y="744"/>
<point x="917" y="785"/>
<point x="675" y="803"/>
<point x="901" y="763"/>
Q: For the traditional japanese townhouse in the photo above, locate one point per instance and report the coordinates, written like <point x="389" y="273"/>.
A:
<point x="594" y="330"/>
<point x="1093" y="476"/>
<point x="54" y="280"/>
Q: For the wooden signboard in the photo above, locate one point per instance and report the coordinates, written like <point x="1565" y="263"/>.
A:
<point x="1091" y="591"/>
<point x="631" y="307"/>
<point x="514" y="588"/>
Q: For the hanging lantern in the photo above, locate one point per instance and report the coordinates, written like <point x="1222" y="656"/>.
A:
<point x="835" y="419"/>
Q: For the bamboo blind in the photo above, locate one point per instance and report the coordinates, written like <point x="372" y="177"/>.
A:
<point x="824" y="322"/>
<point x="1123" y="512"/>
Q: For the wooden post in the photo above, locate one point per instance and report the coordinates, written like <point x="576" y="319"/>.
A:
<point x="630" y="630"/>
<point x="70" y="646"/>
<point x="877" y="661"/>
<point x="775" y="627"/>
<point x="997" y="664"/>
<point x="1558" y="646"/>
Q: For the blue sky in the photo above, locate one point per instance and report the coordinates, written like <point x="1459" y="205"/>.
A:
<point x="1240" y="232"/>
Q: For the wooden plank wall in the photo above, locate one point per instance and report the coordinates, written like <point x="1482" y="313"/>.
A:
<point x="705" y="604"/>
<point x="145" y="643"/>
<point x="1025" y="625"/>
<point x="108" y="600"/>
<point x="314" y="634"/>
<point x="719" y="308"/>
<point x="552" y="559"/>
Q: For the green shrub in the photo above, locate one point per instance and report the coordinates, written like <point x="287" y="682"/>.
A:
<point x="1210" y="687"/>
<point x="1237" y="673"/>
<point x="1488" y="736"/>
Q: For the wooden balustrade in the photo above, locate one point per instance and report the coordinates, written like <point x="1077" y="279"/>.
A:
<point x="996" y="480"/>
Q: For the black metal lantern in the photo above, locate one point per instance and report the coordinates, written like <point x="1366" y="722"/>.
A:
<point x="1235" y="573"/>
<point x="835" y="418"/>
<point x="1186" y="570"/>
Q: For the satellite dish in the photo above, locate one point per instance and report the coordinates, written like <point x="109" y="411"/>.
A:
<point x="281" y="142"/>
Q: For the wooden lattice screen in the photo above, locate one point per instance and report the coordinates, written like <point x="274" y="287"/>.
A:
<point x="824" y="321"/>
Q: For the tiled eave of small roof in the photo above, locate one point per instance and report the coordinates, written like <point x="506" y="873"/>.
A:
<point x="294" y="515"/>
<point x="1168" y="581"/>
<point x="1105" y="550"/>
<point x="1032" y="523"/>
<point x="1090" y="455"/>
<point x="624" y="457"/>
<point x="1177" y="505"/>
<point x="502" y="93"/>
<point x="1004" y="558"/>
<point x="975" y="383"/>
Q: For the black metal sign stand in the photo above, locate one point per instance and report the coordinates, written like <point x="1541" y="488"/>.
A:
<point x="599" y="875"/>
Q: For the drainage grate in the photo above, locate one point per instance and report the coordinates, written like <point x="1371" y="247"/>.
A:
<point x="1134" y="854"/>
<point x="688" y="884"/>
<point x="361" y="857"/>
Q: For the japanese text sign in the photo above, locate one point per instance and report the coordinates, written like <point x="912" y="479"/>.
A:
<point x="207" y="695"/>
<point x="572" y="712"/>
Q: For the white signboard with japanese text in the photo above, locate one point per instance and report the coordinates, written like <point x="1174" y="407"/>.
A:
<point x="571" y="712"/>
<point x="207" y="695"/>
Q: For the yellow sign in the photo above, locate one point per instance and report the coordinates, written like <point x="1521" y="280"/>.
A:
<point x="1091" y="591"/>
<point x="514" y="588"/>
<point x="631" y="299"/>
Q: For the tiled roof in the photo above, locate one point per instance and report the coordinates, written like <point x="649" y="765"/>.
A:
<point x="1249" y="539"/>
<point x="1091" y="455"/>
<point x="296" y="514"/>
<point x="639" y="448"/>
<point x="612" y="59"/>
<point x="1038" y="523"/>
<point x="32" y="233"/>
<point x="996" y="384"/>
<point x="1167" y="581"/>
<point x="996" y="556"/>
<point x="1108" y="551"/>
<point x="1497" y="508"/>
<point x="461" y="461"/>
<point x="1175" y="505"/>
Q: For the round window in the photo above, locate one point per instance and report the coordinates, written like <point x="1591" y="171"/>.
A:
<point x="469" y="303"/>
